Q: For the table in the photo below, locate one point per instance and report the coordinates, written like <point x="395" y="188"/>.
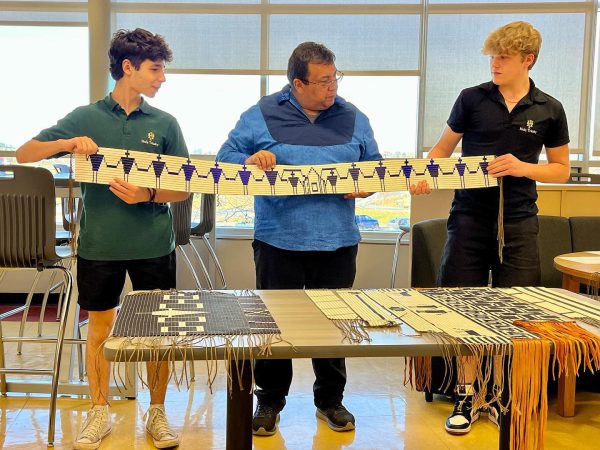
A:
<point x="313" y="336"/>
<point x="578" y="268"/>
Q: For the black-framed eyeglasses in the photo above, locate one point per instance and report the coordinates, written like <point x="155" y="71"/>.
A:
<point x="325" y="84"/>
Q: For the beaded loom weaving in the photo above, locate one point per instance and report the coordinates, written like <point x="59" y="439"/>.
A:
<point x="520" y="324"/>
<point x="169" y="323"/>
<point x="182" y="174"/>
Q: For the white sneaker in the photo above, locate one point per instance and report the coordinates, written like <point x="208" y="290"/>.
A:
<point x="96" y="426"/>
<point x="158" y="427"/>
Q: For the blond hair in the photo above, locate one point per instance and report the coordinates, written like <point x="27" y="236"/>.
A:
<point x="514" y="38"/>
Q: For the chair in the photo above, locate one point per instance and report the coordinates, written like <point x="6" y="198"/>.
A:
<point x="205" y="226"/>
<point x="428" y="239"/>
<point x="585" y="233"/>
<point x="64" y="236"/>
<point x="403" y="231"/>
<point x="182" y="225"/>
<point x="554" y="239"/>
<point x="27" y="241"/>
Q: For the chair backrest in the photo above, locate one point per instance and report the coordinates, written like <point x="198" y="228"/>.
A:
<point x="207" y="215"/>
<point x="428" y="238"/>
<point x="182" y="220"/>
<point x="554" y="239"/>
<point x="27" y="217"/>
<point x="585" y="233"/>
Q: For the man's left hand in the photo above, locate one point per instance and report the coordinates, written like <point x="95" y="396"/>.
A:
<point x="128" y="192"/>
<point x="358" y="195"/>
<point x="507" y="165"/>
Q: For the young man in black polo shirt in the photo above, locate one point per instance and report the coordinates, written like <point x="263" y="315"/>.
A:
<point x="510" y="118"/>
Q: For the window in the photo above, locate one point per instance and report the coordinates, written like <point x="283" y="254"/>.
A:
<point x="595" y="119"/>
<point x="207" y="107"/>
<point x="403" y="60"/>
<point x="37" y="83"/>
<point x="454" y="62"/>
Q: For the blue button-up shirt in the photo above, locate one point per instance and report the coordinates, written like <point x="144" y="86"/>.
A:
<point x="278" y="123"/>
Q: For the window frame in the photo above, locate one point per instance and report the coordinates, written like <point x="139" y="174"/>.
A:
<point x="104" y="9"/>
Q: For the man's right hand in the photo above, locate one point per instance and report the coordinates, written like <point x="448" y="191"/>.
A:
<point x="422" y="187"/>
<point x="263" y="159"/>
<point x="81" y="145"/>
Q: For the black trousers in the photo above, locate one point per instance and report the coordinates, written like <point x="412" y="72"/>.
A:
<point x="471" y="251"/>
<point x="286" y="269"/>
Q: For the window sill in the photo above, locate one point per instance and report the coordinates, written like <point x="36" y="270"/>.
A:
<point x="368" y="237"/>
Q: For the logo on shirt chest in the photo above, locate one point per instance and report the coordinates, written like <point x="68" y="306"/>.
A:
<point x="150" y="139"/>
<point x="529" y="127"/>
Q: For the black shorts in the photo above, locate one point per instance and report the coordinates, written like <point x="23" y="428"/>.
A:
<point x="100" y="282"/>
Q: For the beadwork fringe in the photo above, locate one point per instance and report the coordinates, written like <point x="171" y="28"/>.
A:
<point x="173" y="349"/>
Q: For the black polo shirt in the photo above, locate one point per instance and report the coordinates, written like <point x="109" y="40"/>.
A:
<point x="489" y="129"/>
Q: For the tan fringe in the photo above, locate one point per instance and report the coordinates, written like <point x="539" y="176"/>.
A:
<point x="529" y="382"/>
<point x="354" y="331"/>
<point x="500" y="219"/>
<point x="417" y="370"/>
<point x="171" y="350"/>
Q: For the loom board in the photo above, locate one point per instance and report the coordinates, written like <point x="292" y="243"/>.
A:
<point x="192" y="313"/>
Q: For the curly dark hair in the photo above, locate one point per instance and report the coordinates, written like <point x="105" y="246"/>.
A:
<point x="305" y="53"/>
<point x="137" y="46"/>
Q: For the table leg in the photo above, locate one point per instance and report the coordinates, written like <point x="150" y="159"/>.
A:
<point x="239" y="409"/>
<point x="505" y="419"/>
<point x="566" y="384"/>
<point x="566" y="395"/>
<point x="569" y="283"/>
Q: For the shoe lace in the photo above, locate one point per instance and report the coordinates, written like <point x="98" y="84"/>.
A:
<point x="158" y="422"/>
<point x="462" y="406"/>
<point x="92" y="425"/>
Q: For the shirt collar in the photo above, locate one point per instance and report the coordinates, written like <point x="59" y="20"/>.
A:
<point x="285" y="95"/>
<point x="114" y="106"/>
<point x="533" y="96"/>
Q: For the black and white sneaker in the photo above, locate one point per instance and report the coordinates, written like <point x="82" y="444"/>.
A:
<point x="459" y="422"/>
<point x="265" y="420"/>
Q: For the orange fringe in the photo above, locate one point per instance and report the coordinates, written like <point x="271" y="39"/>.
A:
<point x="420" y="366"/>
<point x="528" y="392"/>
<point x="573" y="346"/>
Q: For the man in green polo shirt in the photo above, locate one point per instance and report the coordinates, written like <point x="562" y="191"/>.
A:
<point x="124" y="228"/>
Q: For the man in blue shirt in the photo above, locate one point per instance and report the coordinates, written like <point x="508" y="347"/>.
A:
<point x="303" y="241"/>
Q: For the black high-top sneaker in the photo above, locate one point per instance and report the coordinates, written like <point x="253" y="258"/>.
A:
<point x="459" y="422"/>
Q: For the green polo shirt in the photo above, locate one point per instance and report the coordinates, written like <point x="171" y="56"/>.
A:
<point x="110" y="228"/>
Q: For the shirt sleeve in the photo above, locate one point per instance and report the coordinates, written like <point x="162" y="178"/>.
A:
<point x="175" y="144"/>
<point x="239" y="144"/>
<point x="558" y="134"/>
<point x="459" y="115"/>
<point x="66" y="128"/>
<point x="369" y="150"/>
